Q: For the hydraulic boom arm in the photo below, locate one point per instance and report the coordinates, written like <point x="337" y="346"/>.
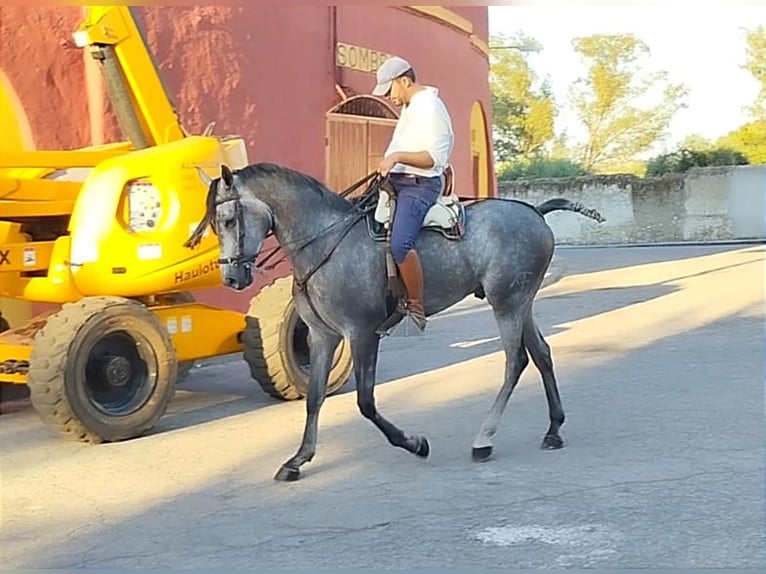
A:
<point x="132" y="81"/>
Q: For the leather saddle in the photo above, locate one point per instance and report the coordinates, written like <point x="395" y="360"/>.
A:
<point x="446" y="216"/>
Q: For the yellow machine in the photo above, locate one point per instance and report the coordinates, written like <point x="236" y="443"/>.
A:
<point x="100" y="231"/>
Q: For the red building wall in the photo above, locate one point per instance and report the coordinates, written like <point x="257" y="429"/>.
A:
<point x="265" y="73"/>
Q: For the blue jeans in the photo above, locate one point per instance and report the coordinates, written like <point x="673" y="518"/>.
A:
<point x="415" y="195"/>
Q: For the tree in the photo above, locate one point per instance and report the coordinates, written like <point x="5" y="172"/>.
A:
<point x="523" y="108"/>
<point x="614" y="101"/>
<point x="697" y="142"/>
<point x="540" y="167"/>
<point x="682" y="160"/>
<point x="756" y="65"/>
<point x="749" y="139"/>
<point x="560" y="147"/>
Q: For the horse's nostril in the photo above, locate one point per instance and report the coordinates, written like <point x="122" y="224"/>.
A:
<point x="230" y="281"/>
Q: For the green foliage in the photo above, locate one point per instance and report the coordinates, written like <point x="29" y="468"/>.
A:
<point x="523" y="108"/>
<point x="560" y="148"/>
<point x="684" y="159"/>
<point x="749" y="139"/>
<point x="540" y="167"/>
<point x="625" y="106"/>
<point x="635" y="167"/>
<point x="696" y="142"/>
<point x="756" y="65"/>
<point x="608" y="100"/>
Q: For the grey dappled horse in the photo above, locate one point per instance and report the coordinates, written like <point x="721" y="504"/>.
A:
<point x="341" y="283"/>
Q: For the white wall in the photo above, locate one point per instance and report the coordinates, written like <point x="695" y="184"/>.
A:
<point x="705" y="204"/>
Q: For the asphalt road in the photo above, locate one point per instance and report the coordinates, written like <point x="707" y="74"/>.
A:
<point x="659" y="354"/>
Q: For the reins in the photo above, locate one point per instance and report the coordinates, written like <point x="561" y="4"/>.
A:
<point x="361" y="207"/>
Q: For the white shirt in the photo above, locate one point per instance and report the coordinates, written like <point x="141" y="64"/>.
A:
<point x="424" y="125"/>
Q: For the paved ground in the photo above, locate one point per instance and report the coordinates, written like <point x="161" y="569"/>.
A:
<point x="659" y="353"/>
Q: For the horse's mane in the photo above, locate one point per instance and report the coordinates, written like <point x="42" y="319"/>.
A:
<point x="278" y="176"/>
<point x="282" y="175"/>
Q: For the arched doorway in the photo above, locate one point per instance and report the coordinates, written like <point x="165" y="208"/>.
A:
<point x="479" y="151"/>
<point x="358" y="131"/>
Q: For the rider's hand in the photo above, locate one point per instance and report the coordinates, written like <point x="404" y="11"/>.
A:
<point x="386" y="164"/>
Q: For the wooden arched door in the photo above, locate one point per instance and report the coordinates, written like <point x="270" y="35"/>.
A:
<point x="358" y="131"/>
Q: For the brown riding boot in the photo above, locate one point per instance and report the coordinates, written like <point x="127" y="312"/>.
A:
<point x="412" y="277"/>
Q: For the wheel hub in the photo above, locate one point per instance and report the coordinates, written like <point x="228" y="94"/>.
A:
<point x="117" y="370"/>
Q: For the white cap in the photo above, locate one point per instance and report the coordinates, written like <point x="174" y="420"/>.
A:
<point x="391" y="69"/>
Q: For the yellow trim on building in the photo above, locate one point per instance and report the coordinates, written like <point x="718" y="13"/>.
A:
<point x="482" y="46"/>
<point x="480" y="149"/>
<point x="452" y="19"/>
<point x="445" y="16"/>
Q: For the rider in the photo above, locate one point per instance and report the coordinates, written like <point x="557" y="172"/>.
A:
<point x="414" y="162"/>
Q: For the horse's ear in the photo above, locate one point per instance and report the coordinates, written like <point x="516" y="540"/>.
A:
<point x="206" y="179"/>
<point x="227" y="176"/>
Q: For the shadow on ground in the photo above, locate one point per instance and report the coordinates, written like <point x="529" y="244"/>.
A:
<point x="223" y="388"/>
<point x="659" y="471"/>
<point x="590" y="259"/>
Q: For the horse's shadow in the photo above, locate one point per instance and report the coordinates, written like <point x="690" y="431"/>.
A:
<point x="223" y="387"/>
<point x="467" y="331"/>
<point x="461" y="333"/>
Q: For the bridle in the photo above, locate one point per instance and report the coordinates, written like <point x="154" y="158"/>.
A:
<point x="246" y="261"/>
<point x="359" y="210"/>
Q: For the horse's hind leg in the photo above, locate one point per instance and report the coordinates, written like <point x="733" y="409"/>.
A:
<point x="509" y="322"/>
<point x="322" y="345"/>
<point x="364" y="349"/>
<point x="541" y="355"/>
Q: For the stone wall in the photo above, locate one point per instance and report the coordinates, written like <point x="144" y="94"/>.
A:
<point x="705" y="204"/>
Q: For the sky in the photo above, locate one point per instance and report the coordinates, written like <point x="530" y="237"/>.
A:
<point x="701" y="44"/>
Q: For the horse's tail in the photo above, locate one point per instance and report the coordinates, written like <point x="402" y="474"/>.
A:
<point x="561" y="204"/>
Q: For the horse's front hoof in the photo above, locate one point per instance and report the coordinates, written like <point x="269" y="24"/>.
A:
<point x="423" y="449"/>
<point x="552" y="442"/>
<point x="287" y="474"/>
<point x="481" y="454"/>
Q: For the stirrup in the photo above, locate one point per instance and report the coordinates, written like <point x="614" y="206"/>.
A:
<point x="388" y="325"/>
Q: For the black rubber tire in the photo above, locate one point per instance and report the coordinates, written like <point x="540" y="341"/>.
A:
<point x="58" y="382"/>
<point x="275" y="346"/>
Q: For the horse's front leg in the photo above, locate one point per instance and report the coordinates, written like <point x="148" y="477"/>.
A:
<point x="322" y="345"/>
<point x="364" y="349"/>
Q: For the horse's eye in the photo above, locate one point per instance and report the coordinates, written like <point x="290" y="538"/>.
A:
<point x="229" y="223"/>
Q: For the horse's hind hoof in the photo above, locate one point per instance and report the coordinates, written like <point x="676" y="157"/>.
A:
<point x="552" y="442"/>
<point x="481" y="454"/>
<point x="423" y="449"/>
<point x="287" y="474"/>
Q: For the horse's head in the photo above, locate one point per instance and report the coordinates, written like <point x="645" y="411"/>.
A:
<point x="240" y="221"/>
